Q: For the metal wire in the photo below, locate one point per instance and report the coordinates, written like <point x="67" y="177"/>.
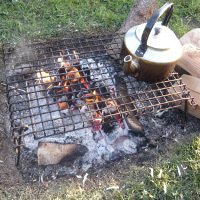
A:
<point x="36" y="103"/>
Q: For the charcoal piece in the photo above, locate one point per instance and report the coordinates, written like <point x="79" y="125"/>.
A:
<point x="77" y="65"/>
<point x="62" y="70"/>
<point x="86" y="73"/>
<point x="104" y="92"/>
<point x="92" y="84"/>
<point x="108" y="125"/>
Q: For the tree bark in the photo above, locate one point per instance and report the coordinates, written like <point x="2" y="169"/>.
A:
<point x="140" y="13"/>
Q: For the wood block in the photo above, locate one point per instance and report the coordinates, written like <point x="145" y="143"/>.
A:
<point x="191" y="37"/>
<point x="190" y="60"/>
<point x="53" y="153"/>
<point x="193" y="85"/>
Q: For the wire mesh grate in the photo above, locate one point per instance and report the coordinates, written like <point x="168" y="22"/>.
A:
<point x="62" y="86"/>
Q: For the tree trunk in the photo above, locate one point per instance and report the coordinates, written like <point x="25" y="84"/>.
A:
<point x="140" y="13"/>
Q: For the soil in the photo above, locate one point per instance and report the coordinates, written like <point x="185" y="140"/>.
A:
<point x="10" y="175"/>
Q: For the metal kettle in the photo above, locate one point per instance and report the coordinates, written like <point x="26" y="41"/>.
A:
<point x="151" y="50"/>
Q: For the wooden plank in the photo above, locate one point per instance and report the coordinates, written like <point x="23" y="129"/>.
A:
<point x="190" y="60"/>
<point x="193" y="85"/>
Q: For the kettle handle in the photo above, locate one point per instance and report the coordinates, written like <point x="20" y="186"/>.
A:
<point x="145" y="35"/>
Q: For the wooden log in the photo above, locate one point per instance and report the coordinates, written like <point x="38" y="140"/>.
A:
<point x="50" y="153"/>
<point x="191" y="37"/>
<point x="140" y="13"/>
<point x="192" y="83"/>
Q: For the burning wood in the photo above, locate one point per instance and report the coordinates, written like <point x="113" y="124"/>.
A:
<point x="70" y="81"/>
<point x="133" y="123"/>
<point x="44" y="77"/>
<point x="63" y="105"/>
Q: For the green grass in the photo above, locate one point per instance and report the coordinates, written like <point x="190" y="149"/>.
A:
<point x="45" y="19"/>
<point x="180" y="172"/>
<point x="42" y="19"/>
<point x="186" y="15"/>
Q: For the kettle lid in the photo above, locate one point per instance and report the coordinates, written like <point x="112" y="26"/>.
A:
<point x="161" y="37"/>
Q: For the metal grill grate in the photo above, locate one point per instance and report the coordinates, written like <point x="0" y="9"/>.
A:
<point x="74" y="100"/>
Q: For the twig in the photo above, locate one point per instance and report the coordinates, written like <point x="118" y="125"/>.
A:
<point x="15" y="89"/>
<point x="18" y="89"/>
<point x="3" y="84"/>
<point x="31" y="111"/>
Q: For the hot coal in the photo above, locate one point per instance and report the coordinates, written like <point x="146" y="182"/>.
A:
<point x="109" y="124"/>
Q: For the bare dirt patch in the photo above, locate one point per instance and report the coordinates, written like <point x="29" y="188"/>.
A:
<point x="9" y="174"/>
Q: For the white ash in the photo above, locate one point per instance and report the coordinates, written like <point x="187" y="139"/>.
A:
<point x="99" y="72"/>
<point x="49" y="120"/>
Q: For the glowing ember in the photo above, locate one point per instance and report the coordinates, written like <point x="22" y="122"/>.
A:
<point x="63" y="105"/>
<point x="96" y="120"/>
<point x="66" y="80"/>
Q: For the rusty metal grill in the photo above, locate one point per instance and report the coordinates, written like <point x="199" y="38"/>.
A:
<point x="44" y="108"/>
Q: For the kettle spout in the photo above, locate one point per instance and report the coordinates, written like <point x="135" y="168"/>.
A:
<point x="130" y="66"/>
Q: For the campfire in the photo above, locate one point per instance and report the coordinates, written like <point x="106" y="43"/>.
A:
<point x="70" y="81"/>
<point x="71" y="96"/>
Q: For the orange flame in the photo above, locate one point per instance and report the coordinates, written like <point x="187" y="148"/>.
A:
<point x="73" y="73"/>
<point x="49" y="86"/>
<point x="59" y="91"/>
<point x="91" y="98"/>
<point x="97" y="98"/>
<point x="75" y="55"/>
<point x="45" y="77"/>
<point x="113" y="103"/>
<point x="82" y="80"/>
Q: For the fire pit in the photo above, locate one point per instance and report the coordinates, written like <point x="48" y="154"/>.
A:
<point x="67" y="92"/>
